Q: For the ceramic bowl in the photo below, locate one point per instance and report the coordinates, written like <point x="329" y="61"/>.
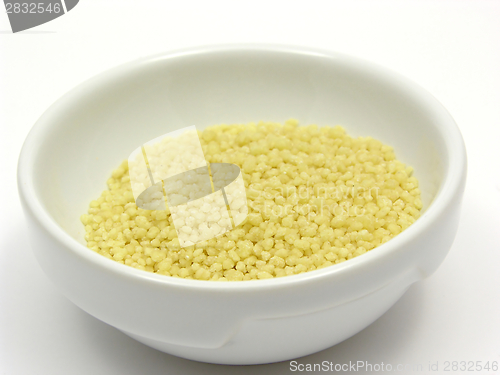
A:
<point x="79" y="140"/>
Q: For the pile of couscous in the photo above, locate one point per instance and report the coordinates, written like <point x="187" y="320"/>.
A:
<point x="315" y="197"/>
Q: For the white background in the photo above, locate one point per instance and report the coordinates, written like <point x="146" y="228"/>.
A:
<point x="451" y="48"/>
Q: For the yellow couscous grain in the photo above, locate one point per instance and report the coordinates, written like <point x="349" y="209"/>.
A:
<point x="316" y="197"/>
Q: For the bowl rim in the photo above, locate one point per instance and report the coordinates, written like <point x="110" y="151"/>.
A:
<point x="451" y="185"/>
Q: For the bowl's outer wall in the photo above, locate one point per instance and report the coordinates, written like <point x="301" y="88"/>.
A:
<point x="82" y="137"/>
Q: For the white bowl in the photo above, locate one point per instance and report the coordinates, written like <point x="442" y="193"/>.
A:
<point x="73" y="147"/>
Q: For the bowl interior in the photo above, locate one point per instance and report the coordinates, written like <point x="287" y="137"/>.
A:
<point x="87" y="133"/>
